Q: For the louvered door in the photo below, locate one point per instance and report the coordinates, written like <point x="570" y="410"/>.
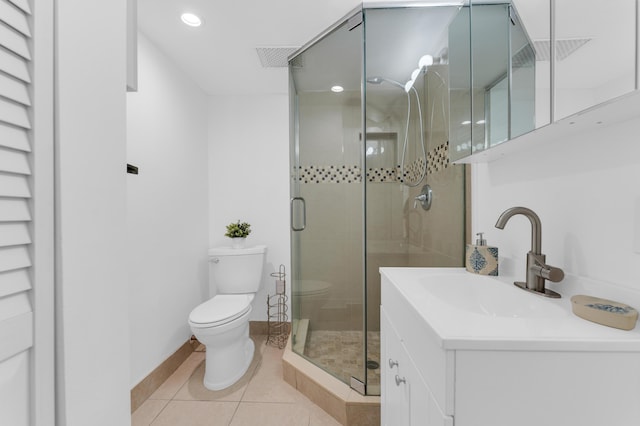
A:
<point x="26" y="213"/>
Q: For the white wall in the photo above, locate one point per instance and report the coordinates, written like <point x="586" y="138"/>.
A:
<point x="167" y="208"/>
<point x="249" y="178"/>
<point x="585" y="190"/>
<point x="92" y="351"/>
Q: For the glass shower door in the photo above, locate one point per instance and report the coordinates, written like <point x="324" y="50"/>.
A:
<point x="327" y="204"/>
<point x="406" y="148"/>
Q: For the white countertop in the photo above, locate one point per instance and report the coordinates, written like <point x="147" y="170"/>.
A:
<point x="490" y="313"/>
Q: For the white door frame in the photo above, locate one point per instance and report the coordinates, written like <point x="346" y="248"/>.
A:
<point x="42" y="207"/>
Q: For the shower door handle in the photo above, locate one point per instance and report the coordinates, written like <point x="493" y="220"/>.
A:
<point x="304" y="214"/>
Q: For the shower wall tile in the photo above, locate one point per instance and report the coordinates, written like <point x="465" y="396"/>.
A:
<point x="327" y="212"/>
<point x="354" y="203"/>
<point x="379" y="218"/>
<point x="334" y="262"/>
<point x="397" y="224"/>
<point x="437" y="160"/>
<point x="443" y="228"/>
<point x="330" y="174"/>
<point x="330" y="126"/>
<point x="322" y="135"/>
<point x="383" y="174"/>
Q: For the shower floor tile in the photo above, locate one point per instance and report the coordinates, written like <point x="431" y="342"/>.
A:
<point x="340" y="353"/>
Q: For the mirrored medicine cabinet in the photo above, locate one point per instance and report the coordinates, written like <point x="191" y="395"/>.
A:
<point x="520" y="65"/>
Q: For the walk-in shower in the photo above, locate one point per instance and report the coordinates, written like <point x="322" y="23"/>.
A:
<point x="359" y="159"/>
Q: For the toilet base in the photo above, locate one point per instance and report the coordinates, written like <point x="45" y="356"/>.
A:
<point x="229" y="352"/>
<point x="218" y="377"/>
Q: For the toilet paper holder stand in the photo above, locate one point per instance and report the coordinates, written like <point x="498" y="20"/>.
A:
<point x="277" y="317"/>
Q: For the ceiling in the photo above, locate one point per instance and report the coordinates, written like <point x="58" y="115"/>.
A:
<point x="220" y="56"/>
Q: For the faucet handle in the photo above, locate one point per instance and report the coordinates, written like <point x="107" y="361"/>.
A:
<point x="547" y="272"/>
<point x="422" y="198"/>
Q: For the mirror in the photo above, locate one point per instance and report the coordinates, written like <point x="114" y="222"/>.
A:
<point x="595" y="53"/>
<point x="534" y="22"/>
<point x="595" y="60"/>
<point x="489" y="71"/>
<point x="460" y="85"/>
<point x="500" y="85"/>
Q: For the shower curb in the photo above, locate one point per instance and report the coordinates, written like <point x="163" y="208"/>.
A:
<point x="336" y="398"/>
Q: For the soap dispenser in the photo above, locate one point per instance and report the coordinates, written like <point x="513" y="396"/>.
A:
<point x="480" y="258"/>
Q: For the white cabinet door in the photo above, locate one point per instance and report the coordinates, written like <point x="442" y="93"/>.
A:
<point x="423" y="408"/>
<point x="395" y="388"/>
<point x="406" y="398"/>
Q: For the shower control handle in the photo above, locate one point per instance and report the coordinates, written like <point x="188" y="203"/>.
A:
<point x="400" y="380"/>
<point x="214" y="260"/>
<point x="392" y="363"/>
<point x="425" y="198"/>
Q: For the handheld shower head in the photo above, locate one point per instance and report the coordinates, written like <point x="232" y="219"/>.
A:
<point x="380" y="80"/>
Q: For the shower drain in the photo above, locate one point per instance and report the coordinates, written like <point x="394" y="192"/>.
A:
<point x="372" y="365"/>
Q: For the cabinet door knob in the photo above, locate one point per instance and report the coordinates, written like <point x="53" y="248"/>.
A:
<point x="400" y="380"/>
<point x="392" y="363"/>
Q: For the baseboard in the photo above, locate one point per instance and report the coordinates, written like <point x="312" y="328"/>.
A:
<point x="143" y="390"/>
<point x="258" y="328"/>
<point x="261" y="328"/>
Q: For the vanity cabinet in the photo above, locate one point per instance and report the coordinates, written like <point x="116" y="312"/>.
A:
<point x="471" y="374"/>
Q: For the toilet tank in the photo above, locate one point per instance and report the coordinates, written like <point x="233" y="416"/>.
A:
<point x="235" y="270"/>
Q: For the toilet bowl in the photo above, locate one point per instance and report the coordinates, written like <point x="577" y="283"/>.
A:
<point x="221" y="323"/>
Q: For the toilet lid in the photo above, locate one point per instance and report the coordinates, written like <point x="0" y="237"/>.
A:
<point x="220" y="309"/>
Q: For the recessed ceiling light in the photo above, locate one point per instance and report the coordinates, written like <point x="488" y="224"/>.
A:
<point x="191" y="19"/>
<point x="337" y="89"/>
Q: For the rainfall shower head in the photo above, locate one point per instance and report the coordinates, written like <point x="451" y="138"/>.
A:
<point x="380" y="80"/>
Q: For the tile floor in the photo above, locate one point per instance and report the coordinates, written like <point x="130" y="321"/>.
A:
<point x="260" y="398"/>
<point x="339" y="352"/>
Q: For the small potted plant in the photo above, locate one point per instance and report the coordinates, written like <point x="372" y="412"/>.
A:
<point x="238" y="232"/>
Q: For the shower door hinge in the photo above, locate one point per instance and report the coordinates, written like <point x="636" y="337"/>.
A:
<point x="358" y="386"/>
<point x="355" y="21"/>
<point x="512" y="15"/>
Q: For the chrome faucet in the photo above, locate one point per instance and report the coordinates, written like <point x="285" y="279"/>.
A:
<point x="537" y="270"/>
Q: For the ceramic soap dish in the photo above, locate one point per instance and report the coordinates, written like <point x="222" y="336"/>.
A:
<point x="605" y="312"/>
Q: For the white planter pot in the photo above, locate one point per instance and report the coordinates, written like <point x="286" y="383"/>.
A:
<point x="238" y="243"/>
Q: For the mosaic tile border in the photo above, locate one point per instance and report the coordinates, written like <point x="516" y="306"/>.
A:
<point x="437" y="160"/>
<point x="330" y="174"/>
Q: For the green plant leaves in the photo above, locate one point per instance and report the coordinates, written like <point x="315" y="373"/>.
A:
<point x="238" y="230"/>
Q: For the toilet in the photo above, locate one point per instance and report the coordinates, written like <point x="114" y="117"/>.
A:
<point x="221" y="323"/>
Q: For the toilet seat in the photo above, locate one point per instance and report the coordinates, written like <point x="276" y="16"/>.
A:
<point x="219" y="310"/>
